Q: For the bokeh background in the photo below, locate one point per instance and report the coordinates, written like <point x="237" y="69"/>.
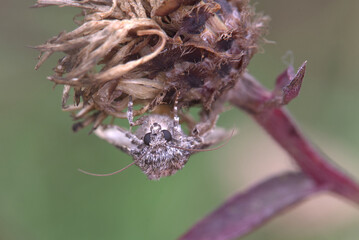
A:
<point x="43" y="196"/>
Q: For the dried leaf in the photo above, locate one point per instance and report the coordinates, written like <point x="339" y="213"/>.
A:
<point x="293" y="83"/>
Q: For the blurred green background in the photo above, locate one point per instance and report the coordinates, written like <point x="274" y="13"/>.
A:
<point x="43" y="196"/>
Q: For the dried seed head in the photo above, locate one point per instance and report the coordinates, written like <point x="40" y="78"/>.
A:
<point x="152" y="50"/>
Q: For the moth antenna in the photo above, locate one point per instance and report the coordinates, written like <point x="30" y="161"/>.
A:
<point x="106" y="174"/>
<point x="208" y="149"/>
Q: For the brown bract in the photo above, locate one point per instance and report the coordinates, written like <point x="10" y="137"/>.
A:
<point x="152" y="50"/>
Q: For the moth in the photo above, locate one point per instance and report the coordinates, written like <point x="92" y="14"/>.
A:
<point x="159" y="147"/>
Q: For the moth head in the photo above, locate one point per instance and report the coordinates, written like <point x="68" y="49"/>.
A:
<point x="157" y="136"/>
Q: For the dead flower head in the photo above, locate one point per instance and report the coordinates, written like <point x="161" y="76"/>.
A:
<point x="152" y="50"/>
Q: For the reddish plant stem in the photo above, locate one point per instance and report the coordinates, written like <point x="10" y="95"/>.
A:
<point x="248" y="210"/>
<point x="249" y="95"/>
<point x="281" y="127"/>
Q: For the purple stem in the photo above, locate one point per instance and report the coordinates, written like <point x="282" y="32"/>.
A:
<point x="246" y="211"/>
<point x="281" y="127"/>
<point x="265" y="107"/>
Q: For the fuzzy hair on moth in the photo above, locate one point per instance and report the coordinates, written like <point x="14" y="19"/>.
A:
<point x="159" y="147"/>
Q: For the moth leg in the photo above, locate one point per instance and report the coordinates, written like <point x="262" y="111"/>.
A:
<point x="130" y="112"/>
<point x="210" y="134"/>
<point x="207" y="130"/>
<point x="176" y="119"/>
<point x="188" y="120"/>
<point x="205" y="126"/>
<point x="209" y="119"/>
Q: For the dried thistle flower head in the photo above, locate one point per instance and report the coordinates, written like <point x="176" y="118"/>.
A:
<point x="152" y="50"/>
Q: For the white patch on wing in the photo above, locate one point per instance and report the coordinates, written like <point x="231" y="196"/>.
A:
<point x="114" y="135"/>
